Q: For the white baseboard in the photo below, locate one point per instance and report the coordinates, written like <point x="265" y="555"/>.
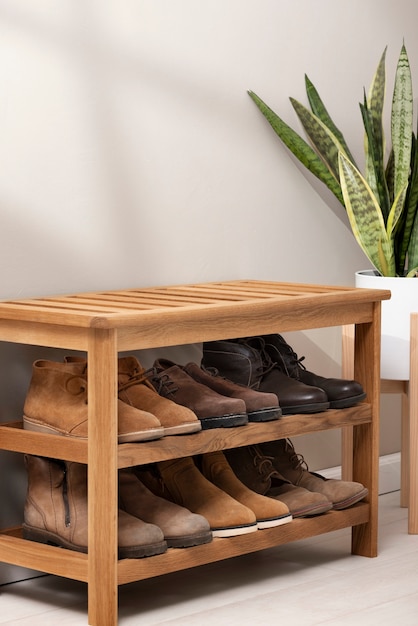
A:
<point x="389" y="473"/>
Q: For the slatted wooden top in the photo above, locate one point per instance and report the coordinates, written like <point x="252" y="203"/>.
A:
<point x="114" y="309"/>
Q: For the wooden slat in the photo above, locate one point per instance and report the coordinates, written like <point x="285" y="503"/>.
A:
<point x="175" y="447"/>
<point x="45" y="558"/>
<point x="113" y="309"/>
<point x="174" y="560"/>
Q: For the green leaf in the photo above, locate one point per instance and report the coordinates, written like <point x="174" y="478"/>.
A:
<point x="366" y="218"/>
<point x="318" y="109"/>
<point x="413" y="247"/>
<point x="298" y="146"/>
<point x="375" y="171"/>
<point x="323" y="140"/>
<point x="402" y="120"/>
<point x="410" y="210"/>
<point x="375" y="104"/>
<point x="395" y="213"/>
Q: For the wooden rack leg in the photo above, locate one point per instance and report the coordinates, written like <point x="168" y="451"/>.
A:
<point x="347" y="371"/>
<point x="366" y="437"/>
<point x="102" y="478"/>
<point x="413" y="430"/>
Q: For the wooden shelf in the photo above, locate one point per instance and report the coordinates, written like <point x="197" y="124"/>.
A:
<point x="102" y="324"/>
<point x="70" y="564"/>
<point x="14" y="438"/>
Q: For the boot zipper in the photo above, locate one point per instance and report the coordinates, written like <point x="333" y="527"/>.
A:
<point x="67" y="519"/>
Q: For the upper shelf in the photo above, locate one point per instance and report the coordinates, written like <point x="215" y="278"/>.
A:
<point x="190" y="313"/>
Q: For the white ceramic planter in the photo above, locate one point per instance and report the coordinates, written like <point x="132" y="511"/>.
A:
<point x="395" y="320"/>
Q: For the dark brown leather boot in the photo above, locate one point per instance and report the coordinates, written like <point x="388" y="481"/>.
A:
<point x="256" y="471"/>
<point x="56" y="511"/>
<point x="246" y="362"/>
<point x="261" y="406"/>
<point x="292" y="466"/>
<point x="341" y="393"/>
<point x="213" y="409"/>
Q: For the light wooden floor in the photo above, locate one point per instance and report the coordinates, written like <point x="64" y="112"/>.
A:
<point x="307" y="583"/>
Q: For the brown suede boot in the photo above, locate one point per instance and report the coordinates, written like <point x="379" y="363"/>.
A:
<point x="261" y="406"/>
<point x="181" y="527"/>
<point x="341" y="493"/>
<point x="257" y="472"/>
<point x="187" y="487"/>
<point x="268" y="511"/>
<point x="56" y="403"/>
<point x="136" y="390"/>
<point x="213" y="409"/>
<point x="56" y="511"/>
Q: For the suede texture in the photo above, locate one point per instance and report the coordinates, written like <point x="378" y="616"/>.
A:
<point x="260" y="406"/>
<point x="268" y="512"/>
<point x="341" y="493"/>
<point x="56" y="511"/>
<point x="136" y="390"/>
<point x="57" y="403"/>
<point x="181" y="527"/>
<point x="189" y="488"/>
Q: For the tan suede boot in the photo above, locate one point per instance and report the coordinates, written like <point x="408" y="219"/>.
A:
<point x="56" y="511"/>
<point x="136" y="390"/>
<point x="187" y="487"/>
<point x="257" y="472"/>
<point x="268" y="511"/>
<point x="181" y="527"/>
<point x="292" y="466"/>
<point x="56" y="403"/>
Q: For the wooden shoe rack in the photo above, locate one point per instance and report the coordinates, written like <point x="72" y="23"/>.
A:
<point x="106" y="323"/>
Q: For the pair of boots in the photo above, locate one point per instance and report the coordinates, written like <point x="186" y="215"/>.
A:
<point x="56" y="512"/>
<point x="208" y="486"/>
<point x="268" y="363"/>
<point x="276" y="470"/>
<point x="57" y="403"/>
<point x="216" y="401"/>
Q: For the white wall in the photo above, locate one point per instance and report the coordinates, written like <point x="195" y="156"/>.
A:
<point x="131" y="154"/>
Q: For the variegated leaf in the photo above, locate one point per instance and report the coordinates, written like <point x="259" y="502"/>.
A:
<point x="324" y="141"/>
<point x="402" y="120"/>
<point x="365" y="217"/>
<point x="298" y="146"/>
<point x="319" y="109"/>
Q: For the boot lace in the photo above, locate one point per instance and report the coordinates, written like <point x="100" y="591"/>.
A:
<point x="296" y="460"/>
<point x="288" y="359"/>
<point x="137" y="377"/>
<point x="161" y="382"/>
<point x="267" y="364"/>
<point x="263" y="464"/>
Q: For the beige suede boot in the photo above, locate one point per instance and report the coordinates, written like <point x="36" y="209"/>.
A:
<point x="136" y="390"/>
<point x="181" y="527"/>
<point x="268" y="511"/>
<point x="187" y="487"/>
<point x="292" y="466"/>
<point x="56" y="403"/>
<point x="56" y="511"/>
<point x="257" y="472"/>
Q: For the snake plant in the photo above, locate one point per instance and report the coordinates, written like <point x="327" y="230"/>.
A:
<point x="382" y="201"/>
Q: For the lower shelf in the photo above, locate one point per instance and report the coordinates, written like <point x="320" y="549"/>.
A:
<point x="69" y="564"/>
